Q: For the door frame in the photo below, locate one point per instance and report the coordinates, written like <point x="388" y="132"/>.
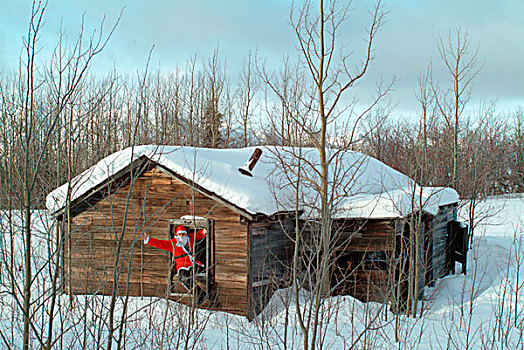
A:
<point x="196" y="223"/>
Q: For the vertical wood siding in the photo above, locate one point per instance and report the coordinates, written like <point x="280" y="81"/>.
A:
<point x="270" y="258"/>
<point x="360" y="242"/>
<point x="440" y="234"/>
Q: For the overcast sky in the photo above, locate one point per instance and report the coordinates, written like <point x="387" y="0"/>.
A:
<point x="181" y="28"/>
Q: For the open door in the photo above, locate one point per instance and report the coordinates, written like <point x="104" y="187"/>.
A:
<point x="457" y="250"/>
<point x="203" y="250"/>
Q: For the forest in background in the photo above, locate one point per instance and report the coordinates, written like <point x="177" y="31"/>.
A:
<point x="77" y="120"/>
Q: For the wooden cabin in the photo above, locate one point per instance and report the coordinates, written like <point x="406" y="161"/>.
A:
<point x="247" y="252"/>
<point x="379" y="259"/>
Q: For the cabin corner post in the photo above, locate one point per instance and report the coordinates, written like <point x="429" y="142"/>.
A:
<point x="249" y="295"/>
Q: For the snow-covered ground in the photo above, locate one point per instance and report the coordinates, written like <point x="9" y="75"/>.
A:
<point x="482" y="310"/>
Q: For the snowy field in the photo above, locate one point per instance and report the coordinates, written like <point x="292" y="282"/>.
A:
<point x="482" y="310"/>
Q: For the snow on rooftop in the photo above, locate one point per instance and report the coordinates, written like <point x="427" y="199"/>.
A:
<point x="366" y="187"/>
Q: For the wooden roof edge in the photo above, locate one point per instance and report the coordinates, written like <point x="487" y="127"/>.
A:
<point x="241" y="211"/>
<point x="143" y="159"/>
<point x="109" y="180"/>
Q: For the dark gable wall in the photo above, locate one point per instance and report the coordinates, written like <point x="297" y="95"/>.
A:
<point x="364" y="254"/>
<point x="271" y="258"/>
<point x="155" y="199"/>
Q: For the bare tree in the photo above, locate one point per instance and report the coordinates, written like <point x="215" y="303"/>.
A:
<point x="247" y="89"/>
<point x="212" y="117"/>
<point x="518" y="146"/>
<point x="463" y="66"/>
<point x="31" y="145"/>
<point x="326" y="76"/>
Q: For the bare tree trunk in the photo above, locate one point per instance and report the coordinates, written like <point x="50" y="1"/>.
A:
<point x="463" y="66"/>
<point x="35" y="135"/>
<point x="34" y="26"/>
<point x="249" y="86"/>
<point x="315" y="108"/>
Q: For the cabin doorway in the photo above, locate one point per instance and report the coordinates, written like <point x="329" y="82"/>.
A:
<point x="201" y="277"/>
<point x="457" y="246"/>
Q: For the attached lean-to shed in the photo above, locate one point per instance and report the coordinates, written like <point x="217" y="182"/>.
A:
<point x="250" y="220"/>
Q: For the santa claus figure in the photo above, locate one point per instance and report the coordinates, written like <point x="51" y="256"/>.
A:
<point x="182" y="248"/>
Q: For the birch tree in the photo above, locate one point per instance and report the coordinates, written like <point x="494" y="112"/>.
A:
<point x="462" y="65"/>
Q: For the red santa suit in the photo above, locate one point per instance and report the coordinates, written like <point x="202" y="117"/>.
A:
<point x="182" y="251"/>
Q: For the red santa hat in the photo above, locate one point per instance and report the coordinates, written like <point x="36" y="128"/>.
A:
<point x="180" y="230"/>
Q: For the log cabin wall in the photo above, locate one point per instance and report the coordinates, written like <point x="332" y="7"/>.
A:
<point x="96" y="260"/>
<point x="364" y="259"/>
<point x="271" y="254"/>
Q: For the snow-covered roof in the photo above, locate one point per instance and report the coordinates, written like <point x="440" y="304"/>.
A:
<point x="364" y="186"/>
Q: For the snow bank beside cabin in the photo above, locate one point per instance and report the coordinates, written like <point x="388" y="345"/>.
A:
<point x="367" y="187"/>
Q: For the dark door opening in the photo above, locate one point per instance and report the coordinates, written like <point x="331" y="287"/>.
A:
<point x="457" y="246"/>
<point x="203" y="251"/>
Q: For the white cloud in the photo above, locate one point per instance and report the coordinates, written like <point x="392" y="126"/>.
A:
<point x="181" y="28"/>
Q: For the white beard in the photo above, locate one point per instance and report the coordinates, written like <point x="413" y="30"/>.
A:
<point x="182" y="241"/>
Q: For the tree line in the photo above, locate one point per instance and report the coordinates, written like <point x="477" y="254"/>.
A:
<point x="204" y="105"/>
